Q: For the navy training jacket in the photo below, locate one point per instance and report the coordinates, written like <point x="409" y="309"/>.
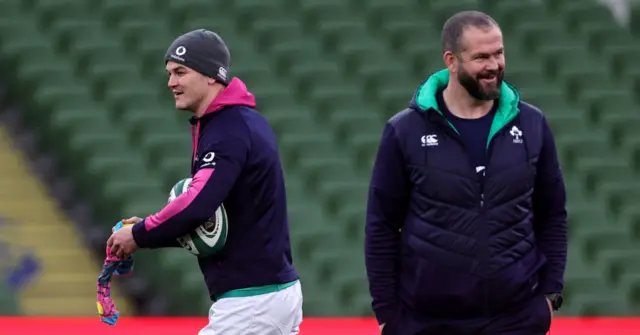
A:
<point x="442" y="244"/>
<point x="235" y="160"/>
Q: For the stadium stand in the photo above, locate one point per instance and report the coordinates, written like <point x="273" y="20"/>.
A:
<point x="45" y="268"/>
<point x="327" y="74"/>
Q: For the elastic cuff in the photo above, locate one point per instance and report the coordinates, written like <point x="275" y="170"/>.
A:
<point x="140" y="235"/>
<point x="386" y="314"/>
<point x="549" y="287"/>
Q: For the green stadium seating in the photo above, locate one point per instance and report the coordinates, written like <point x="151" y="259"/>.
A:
<point x="327" y="74"/>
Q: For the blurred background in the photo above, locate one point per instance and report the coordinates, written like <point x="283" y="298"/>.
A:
<point x="89" y="135"/>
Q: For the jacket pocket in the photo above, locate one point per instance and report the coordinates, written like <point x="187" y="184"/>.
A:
<point x="436" y="290"/>
<point x="547" y="315"/>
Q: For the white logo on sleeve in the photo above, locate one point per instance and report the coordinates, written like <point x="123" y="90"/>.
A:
<point x="429" y="140"/>
<point x="517" y="134"/>
<point x="208" y="159"/>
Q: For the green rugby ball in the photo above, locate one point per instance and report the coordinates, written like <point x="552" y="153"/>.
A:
<point x="211" y="236"/>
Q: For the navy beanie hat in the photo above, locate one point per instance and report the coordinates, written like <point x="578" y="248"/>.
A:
<point x="203" y="51"/>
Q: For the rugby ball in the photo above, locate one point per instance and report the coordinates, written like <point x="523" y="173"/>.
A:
<point x="208" y="238"/>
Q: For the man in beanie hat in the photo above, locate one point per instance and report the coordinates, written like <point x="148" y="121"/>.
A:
<point x="252" y="282"/>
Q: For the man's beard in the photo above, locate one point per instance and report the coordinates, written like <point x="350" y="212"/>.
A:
<point x="473" y="86"/>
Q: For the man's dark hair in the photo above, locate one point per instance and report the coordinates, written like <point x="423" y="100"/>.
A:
<point x="455" y="26"/>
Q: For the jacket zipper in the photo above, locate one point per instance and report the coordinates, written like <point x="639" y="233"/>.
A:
<point x="486" y="298"/>
<point x="454" y="134"/>
<point x="481" y="201"/>
<point x="448" y="128"/>
<point x="195" y="136"/>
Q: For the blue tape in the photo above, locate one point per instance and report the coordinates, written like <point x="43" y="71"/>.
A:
<point x="110" y="320"/>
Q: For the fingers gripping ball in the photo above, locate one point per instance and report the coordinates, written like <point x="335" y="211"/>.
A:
<point x="211" y="236"/>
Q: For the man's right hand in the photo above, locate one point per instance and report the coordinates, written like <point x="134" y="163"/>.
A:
<point x="382" y="327"/>
<point x="131" y="220"/>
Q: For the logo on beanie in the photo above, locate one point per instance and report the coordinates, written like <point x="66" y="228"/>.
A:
<point x="222" y="73"/>
<point x="180" y="51"/>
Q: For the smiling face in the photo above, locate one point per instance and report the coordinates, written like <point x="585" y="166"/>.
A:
<point x="480" y="63"/>
<point x="189" y="88"/>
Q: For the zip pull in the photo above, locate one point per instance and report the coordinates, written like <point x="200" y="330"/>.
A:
<point x="195" y="135"/>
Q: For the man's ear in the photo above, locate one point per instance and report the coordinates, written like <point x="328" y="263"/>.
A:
<point x="450" y="61"/>
<point x="211" y="81"/>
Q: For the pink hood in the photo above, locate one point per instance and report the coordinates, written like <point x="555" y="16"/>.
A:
<point x="235" y="94"/>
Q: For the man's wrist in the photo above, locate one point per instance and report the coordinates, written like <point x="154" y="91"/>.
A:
<point x="386" y="313"/>
<point x="556" y="300"/>
<point x="139" y="233"/>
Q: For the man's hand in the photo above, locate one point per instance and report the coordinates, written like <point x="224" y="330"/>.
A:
<point x="382" y="327"/>
<point x="550" y="306"/>
<point x="131" y="220"/>
<point x="121" y="242"/>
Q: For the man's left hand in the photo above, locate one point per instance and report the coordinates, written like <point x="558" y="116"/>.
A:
<point x="122" y="243"/>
